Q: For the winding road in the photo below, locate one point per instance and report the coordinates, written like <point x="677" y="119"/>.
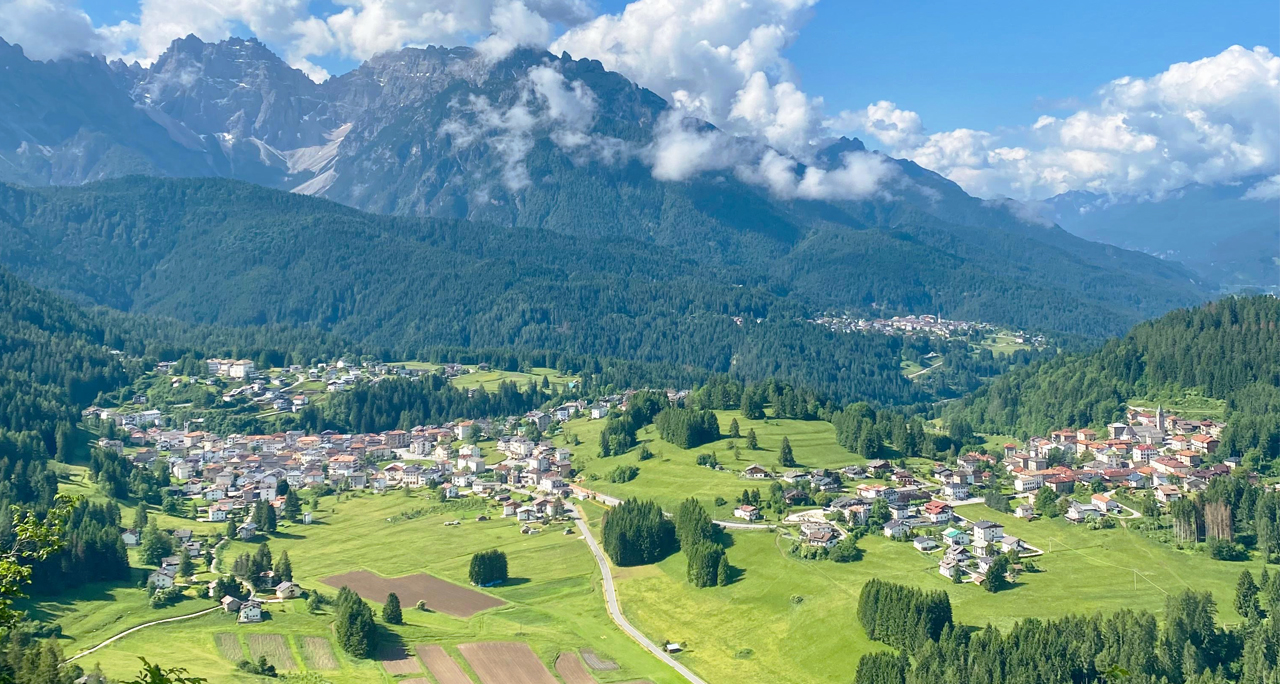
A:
<point x="615" y="610"/>
<point x="127" y="632"/>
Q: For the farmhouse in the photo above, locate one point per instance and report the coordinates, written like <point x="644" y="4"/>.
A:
<point x="925" y="544"/>
<point x="747" y="512"/>
<point x="755" y="471"/>
<point x="250" y="611"/>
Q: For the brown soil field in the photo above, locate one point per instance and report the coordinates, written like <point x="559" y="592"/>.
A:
<point x="437" y="594"/>
<point x="318" y="653"/>
<point x="416" y="680"/>
<point x="595" y="662"/>
<point x="398" y="662"/>
<point x="572" y="671"/>
<point x="498" y="662"/>
<point x="229" y="646"/>
<point x="274" y="648"/>
<point x="441" y="666"/>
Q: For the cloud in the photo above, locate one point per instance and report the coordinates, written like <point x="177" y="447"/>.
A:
<point x="720" y="61"/>
<point x="546" y="102"/>
<point x="1268" y="189"/>
<point x="684" y="148"/>
<point x="49" y="29"/>
<point x="362" y="29"/>
<point x="1209" y="121"/>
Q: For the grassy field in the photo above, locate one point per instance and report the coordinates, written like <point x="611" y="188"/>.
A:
<point x="1189" y="404"/>
<point x="1003" y="344"/>
<point x="490" y="379"/>
<point x="784" y="612"/>
<point x="554" y="596"/>
<point x="674" y="474"/>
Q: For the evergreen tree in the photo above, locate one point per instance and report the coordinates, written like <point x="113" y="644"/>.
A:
<point x="140" y="518"/>
<point x="185" y="567"/>
<point x="292" y="506"/>
<point x="733" y="429"/>
<point x="1246" y="603"/>
<point x="284" y="568"/>
<point x="637" y="533"/>
<point x="785" y="457"/>
<point x="391" y="610"/>
<point x="354" y="625"/>
<point x="488" y="568"/>
<point x="752" y="444"/>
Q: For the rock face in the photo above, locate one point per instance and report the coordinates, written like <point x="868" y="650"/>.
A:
<point x="536" y="140"/>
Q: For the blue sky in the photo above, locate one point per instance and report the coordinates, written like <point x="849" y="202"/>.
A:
<point x="1014" y="99"/>
<point x="986" y="66"/>
<point x="999" y="64"/>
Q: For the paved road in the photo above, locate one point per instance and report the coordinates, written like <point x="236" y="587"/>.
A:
<point x="750" y="527"/>
<point x="615" y="611"/>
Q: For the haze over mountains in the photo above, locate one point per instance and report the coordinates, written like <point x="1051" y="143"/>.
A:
<point x="1226" y="233"/>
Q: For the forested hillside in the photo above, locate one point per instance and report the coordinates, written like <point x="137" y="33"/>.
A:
<point x="1229" y="350"/>
<point x="214" y="251"/>
<point x="396" y="136"/>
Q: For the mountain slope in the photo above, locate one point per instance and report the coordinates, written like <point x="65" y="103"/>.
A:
<point x="1214" y="230"/>
<point x="1228" y="349"/>
<point x="237" y="254"/>
<point x="553" y="143"/>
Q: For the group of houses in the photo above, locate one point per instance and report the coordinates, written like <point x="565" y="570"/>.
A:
<point x="1152" y="450"/>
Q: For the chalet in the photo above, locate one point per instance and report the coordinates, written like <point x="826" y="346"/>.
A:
<point x="162" y="578"/>
<point x="755" y="471"/>
<point x="937" y="512"/>
<point x="925" y="544"/>
<point x="1078" y="512"/>
<point x="1169" y="466"/>
<point x="1167" y="494"/>
<point x="822" y="538"/>
<point x="247" y="530"/>
<point x="250" y="611"/>
<point x="288" y="590"/>
<point x="1010" y="543"/>
<point x="1028" y="483"/>
<point x="747" y="512"/>
<point x="955" y="537"/>
<point x="131" y="538"/>
<point x="955" y="490"/>
<point x="896" y="529"/>
<point x="949" y="567"/>
<point x="1104" y="503"/>
<point x="526" y="514"/>
<point x="1060" y="484"/>
<point x="231" y="604"/>
<point x="1144" y="452"/>
<point x="1025" y="511"/>
<point x="878" y="467"/>
<point x="218" y="512"/>
<point x="509" y="509"/>
<point x="1204" y="444"/>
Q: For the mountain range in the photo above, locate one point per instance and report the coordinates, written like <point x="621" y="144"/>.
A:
<point x="507" y="203"/>
<point x="1224" y="233"/>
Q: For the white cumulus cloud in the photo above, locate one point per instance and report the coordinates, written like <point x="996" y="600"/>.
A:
<point x="1214" y="120"/>
<point x="49" y="29"/>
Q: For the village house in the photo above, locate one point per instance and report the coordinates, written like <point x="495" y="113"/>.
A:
<point x="250" y="611"/>
<point x="747" y="512"/>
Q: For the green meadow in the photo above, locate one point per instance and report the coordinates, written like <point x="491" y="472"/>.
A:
<point x="790" y="620"/>
<point x="673" y="474"/>
<point x="554" y="600"/>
